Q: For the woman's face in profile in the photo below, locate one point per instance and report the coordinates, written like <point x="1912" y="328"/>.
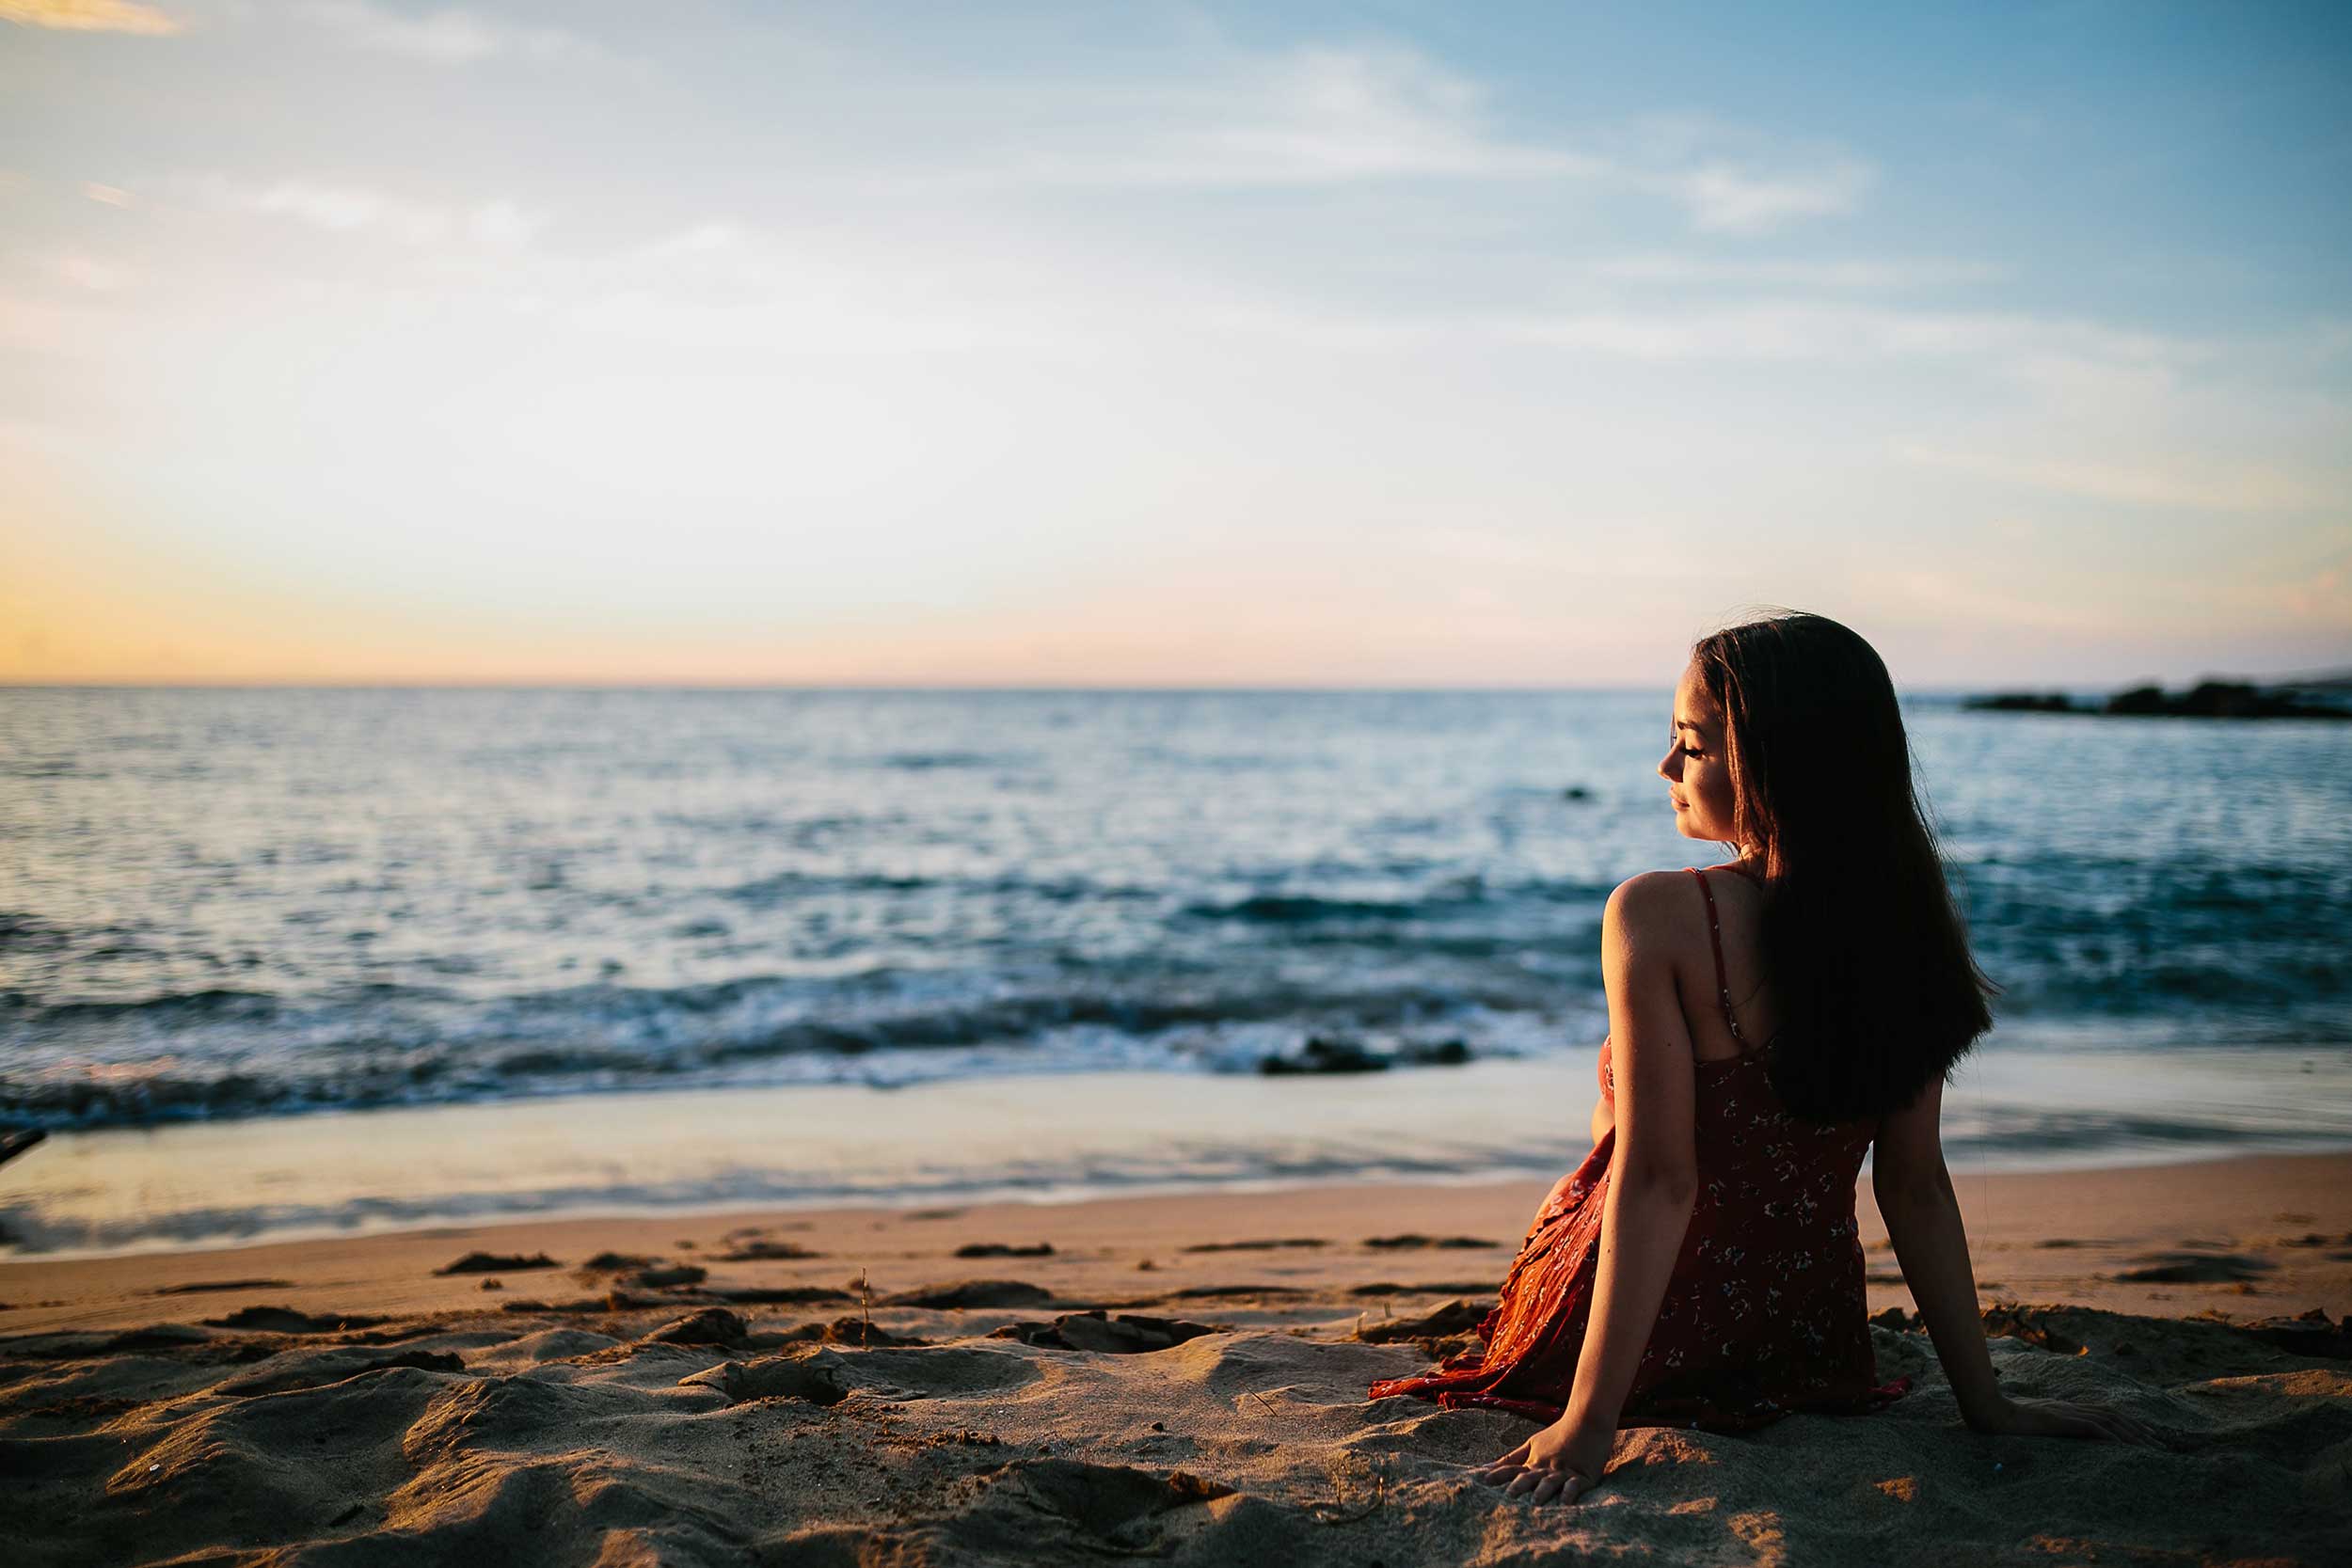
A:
<point x="1697" y="769"/>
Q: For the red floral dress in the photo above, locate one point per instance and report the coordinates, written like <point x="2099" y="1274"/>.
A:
<point x="1764" y="1314"/>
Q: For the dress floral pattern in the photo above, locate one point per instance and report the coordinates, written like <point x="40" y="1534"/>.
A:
<point x="1764" y="1314"/>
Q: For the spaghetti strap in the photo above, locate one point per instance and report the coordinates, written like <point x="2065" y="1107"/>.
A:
<point x="1715" y="938"/>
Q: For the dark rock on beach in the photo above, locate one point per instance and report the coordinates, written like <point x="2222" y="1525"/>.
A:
<point x="616" y="1262"/>
<point x="670" y="1278"/>
<point x="784" y="1295"/>
<point x="1266" y="1245"/>
<point x="973" y="1292"/>
<point x="860" y="1332"/>
<point x="1325" y="1055"/>
<point x="208" y="1286"/>
<point x="1455" y="1316"/>
<point x="493" y="1262"/>
<point x="1120" y="1334"/>
<point x="2313" y="1334"/>
<point x="2197" y="1268"/>
<point x="284" y="1320"/>
<point x="1320" y="1055"/>
<point x="711" y="1325"/>
<point x="999" y="1249"/>
<point x="762" y="1250"/>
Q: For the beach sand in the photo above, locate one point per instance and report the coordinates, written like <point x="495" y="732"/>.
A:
<point x="686" y="1389"/>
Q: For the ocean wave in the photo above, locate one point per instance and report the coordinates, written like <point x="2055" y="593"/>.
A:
<point x="231" y="1054"/>
<point x="31" y="933"/>
<point x="1450" y="897"/>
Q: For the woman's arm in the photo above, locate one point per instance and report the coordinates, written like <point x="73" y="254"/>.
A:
<point x="1653" y="1183"/>
<point x="1916" y="1199"/>
<point x="1922" y="1214"/>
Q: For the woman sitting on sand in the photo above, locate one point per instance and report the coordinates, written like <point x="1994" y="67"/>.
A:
<point x="1703" y="1266"/>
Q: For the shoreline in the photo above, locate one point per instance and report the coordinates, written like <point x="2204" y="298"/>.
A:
<point x="1057" y="1137"/>
<point x="2047" y="1234"/>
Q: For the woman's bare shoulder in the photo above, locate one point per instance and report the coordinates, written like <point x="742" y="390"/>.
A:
<point x="1654" y="907"/>
<point x="1651" y="893"/>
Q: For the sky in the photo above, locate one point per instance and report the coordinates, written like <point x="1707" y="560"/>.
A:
<point x="1283" y="345"/>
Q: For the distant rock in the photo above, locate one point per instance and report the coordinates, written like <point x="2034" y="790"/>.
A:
<point x="2205" y="700"/>
<point x="2220" y="700"/>
<point x="2027" y="702"/>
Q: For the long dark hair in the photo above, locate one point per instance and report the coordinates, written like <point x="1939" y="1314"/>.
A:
<point x="1866" y="949"/>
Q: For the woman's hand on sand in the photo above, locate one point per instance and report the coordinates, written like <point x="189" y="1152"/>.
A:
<point x="2032" y="1418"/>
<point x="1554" y="1466"/>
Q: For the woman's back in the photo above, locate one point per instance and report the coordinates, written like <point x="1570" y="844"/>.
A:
<point x="1764" y="1313"/>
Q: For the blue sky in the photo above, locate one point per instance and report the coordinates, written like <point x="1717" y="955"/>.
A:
<point x="1288" y="344"/>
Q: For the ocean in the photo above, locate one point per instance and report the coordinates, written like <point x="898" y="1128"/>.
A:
<point x="276" y="962"/>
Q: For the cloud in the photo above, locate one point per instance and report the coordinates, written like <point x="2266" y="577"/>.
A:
<point x="1333" y="115"/>
<point x="344" y="210"/>
<point x="88" y="16"/>
<point x="1732" y="180"/>
<point x="1314" y="116"/>
<point x="1727" y="198"/>
<point x="2145" y="480"/>
<point x="41" y="324"/>
<point x="502" y="224"/>
<point x="449" y="37"/>
<point x="353" y="210"/>
<point x="1813" y="330"/>
<point x="1852" y="274"/>
<point x="90" y="273"/>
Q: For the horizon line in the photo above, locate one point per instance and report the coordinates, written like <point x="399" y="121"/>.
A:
<point x="1939" y="687"/>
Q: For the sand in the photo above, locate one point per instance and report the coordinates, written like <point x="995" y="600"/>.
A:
<point x="690" y="1389"/>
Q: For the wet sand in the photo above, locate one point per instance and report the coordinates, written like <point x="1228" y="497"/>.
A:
<point x="935" y="1386"/>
